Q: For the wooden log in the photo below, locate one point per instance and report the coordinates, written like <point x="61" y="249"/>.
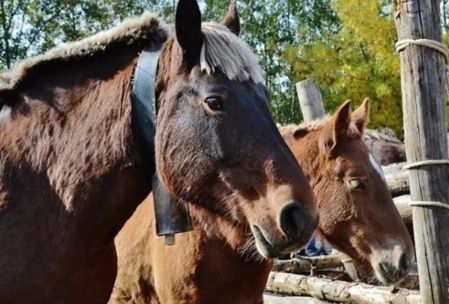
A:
<point x="396" y="178"/>
<point x="339" y="291"/>
<point x="307" y="265"/>
<point x="402" y="203"/>
<point x="310" y="100"/>
<point x="423" y="94"/>
<point x="279" y="299"/>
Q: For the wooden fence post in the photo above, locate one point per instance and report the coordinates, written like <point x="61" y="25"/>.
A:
<point x="423" y="96"/>
<point x="310" y="100"/>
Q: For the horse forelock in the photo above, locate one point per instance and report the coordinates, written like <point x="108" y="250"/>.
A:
<point x="223" y="51"/>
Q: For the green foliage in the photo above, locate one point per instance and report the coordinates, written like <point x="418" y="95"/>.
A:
<point x="29" y="27"/>
<point x="347" y="46"/>
<point x="356" y="62"/>
<point x="269" y="27"/>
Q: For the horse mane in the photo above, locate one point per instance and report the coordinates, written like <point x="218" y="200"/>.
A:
<point x="306" y="126"/>
<point x="221" y="50"/>
<point x="142" y="30"/>
<point x="315" y="125"/>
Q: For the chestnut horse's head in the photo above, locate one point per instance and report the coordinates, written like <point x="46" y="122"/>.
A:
<point x="216" y="142"/>
<point x="357" y="214"/>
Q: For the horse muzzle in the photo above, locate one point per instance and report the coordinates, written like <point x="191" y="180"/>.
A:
<point x="390" y="266"/>
<point x="294" y="228"/>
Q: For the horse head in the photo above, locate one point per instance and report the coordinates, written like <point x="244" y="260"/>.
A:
<point x="357" y="213"/>
<point x="212" y="98"/>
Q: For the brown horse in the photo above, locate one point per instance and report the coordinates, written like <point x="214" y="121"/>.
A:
<point x="72" y="169"/>
<point x="207" y="265"/>
<point x="385" y="146"/>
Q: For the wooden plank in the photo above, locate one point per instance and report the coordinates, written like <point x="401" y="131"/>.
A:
<point x="310" y="100"/>
<point x="339" y="291"/>
<point x="423" y="95"/>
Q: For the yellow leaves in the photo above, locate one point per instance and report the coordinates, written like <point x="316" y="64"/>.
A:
<point x="358" y="62"/>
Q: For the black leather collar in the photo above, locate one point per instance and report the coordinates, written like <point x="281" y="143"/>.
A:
<point x="143" y="94"/>
<point x="171" y="218"/>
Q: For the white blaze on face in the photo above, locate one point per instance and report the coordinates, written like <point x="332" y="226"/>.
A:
<point x="376" y="166"/>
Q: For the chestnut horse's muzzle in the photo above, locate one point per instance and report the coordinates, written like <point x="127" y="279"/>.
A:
<point x="392" y="264"/>
<point x="296" y="225"/>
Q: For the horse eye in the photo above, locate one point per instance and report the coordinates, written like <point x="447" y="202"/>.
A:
<point x="215" y="104"/>
<point x="356" y="184"/>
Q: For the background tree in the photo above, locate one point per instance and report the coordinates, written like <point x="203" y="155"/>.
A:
<point x="347" y="46"/>
<point x="29" y="27"/>
<point x="356" y="62"/>
<point x="269" y="27"/>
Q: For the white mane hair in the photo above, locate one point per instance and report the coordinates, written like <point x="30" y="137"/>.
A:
<point x="145" y="29"/>
<point x="222" y="50"/>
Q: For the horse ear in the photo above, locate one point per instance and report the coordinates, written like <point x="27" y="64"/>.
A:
<point x="300" y="132"/>
<point x="339" y="125"/>
<point x="231" y="20"/>
<point x="188" y="30"/>
<point x="360" y="115"/>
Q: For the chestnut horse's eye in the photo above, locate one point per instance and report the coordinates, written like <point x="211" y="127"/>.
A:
<point x="215" y="104"/>
<point x="355" y="184"/>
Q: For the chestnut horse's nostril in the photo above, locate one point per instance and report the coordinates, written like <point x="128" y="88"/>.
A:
<point x="293" y="219"/>
<point x="393" y="272"/>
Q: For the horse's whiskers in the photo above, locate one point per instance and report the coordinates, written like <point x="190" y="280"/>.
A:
<point x="249" y="251"/>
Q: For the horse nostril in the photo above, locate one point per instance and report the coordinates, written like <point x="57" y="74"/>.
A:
<point x="293" y="219"/>
<point x="404" y="262"/>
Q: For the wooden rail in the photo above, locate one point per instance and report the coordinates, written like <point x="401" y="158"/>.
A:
<point x="339" y="291"/>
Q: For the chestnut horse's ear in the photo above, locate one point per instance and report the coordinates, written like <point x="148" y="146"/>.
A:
<point x="339" y="126"/>
<point x="231" y="20"/>
<point x="300" y="132"/>
<point x="188" y="31"/>
<point x="360" y="116"/>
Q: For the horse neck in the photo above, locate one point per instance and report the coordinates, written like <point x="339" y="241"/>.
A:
<point x="216" y="226"/>
<point x="219" y="244"/>
<point x="75" y="150"/>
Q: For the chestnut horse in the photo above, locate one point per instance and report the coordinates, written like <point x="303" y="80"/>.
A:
<point x="357" y="216"/>
<point x="72" y="169"/>
<point x="357" y="213"/>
